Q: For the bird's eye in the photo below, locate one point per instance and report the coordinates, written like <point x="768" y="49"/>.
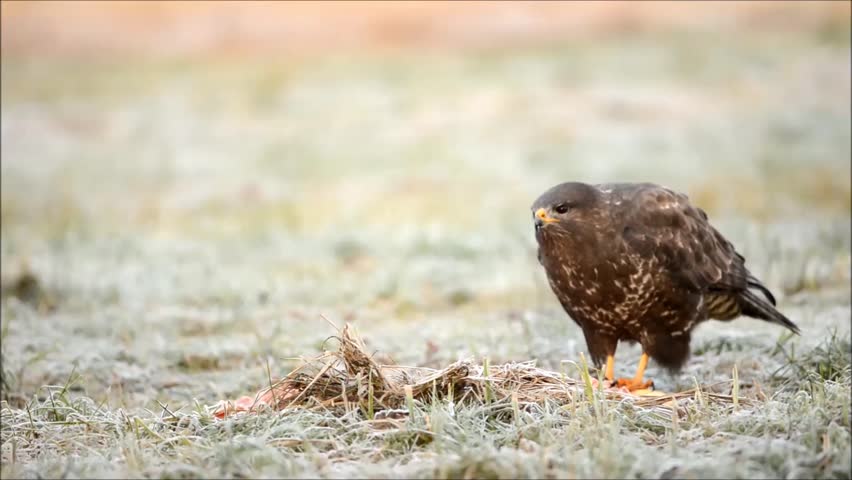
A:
<point x="561" y="208"/>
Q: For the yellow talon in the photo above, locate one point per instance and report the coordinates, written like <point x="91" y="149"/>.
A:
<point x="635" y="384"/>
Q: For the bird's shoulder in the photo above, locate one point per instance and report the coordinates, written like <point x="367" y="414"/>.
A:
<point x="650" y="203"/>
<point x="659" y="223"/>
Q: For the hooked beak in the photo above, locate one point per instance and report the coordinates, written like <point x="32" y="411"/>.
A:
<point x="541" y="218"/>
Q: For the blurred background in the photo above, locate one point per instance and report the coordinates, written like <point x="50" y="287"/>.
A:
<point x="186" y="186"/>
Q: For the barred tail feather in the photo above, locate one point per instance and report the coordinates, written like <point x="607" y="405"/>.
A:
<point x="756" y="307"/>
<point x="755" y="283"/>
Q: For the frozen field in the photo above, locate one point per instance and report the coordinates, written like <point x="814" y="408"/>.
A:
<point x="186" y="222"/>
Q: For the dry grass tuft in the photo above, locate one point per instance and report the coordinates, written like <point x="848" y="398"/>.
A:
<point x="351" y="377"/>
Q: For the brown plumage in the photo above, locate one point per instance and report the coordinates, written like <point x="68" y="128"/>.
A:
<point x="639" y="263"/>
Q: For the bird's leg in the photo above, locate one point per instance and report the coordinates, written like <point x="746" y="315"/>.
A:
<point x="609" y="374"/>
<point x="635" y="383"/>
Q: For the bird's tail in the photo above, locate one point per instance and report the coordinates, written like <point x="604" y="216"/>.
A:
<point x="755" y="283"/>
<point x="754" y="306"/>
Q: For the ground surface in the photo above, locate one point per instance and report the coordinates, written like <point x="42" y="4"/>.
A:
<point x="186" y="223"/>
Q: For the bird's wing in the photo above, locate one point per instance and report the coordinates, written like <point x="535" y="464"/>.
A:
<point x="662" y="224"/>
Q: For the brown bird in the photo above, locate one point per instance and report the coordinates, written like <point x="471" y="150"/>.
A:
<point x="639" y="263"/>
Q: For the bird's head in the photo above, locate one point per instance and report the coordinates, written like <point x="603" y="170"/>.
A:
<point x="564" y="207"/>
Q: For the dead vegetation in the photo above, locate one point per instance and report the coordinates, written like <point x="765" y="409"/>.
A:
<point x="351" y="378"/>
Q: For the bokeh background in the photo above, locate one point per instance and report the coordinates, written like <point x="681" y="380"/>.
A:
<point x="187" y="187"/>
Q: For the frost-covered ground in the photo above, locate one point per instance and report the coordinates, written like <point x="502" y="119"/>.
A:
<point x="186" y="223"/>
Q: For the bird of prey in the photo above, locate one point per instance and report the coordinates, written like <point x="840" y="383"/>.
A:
<point x="637" y="262"/>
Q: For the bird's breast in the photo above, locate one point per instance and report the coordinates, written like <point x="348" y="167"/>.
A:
<point x="612" y="292"/>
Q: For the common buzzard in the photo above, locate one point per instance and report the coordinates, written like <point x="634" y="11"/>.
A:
<point x="639" y="263"/>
